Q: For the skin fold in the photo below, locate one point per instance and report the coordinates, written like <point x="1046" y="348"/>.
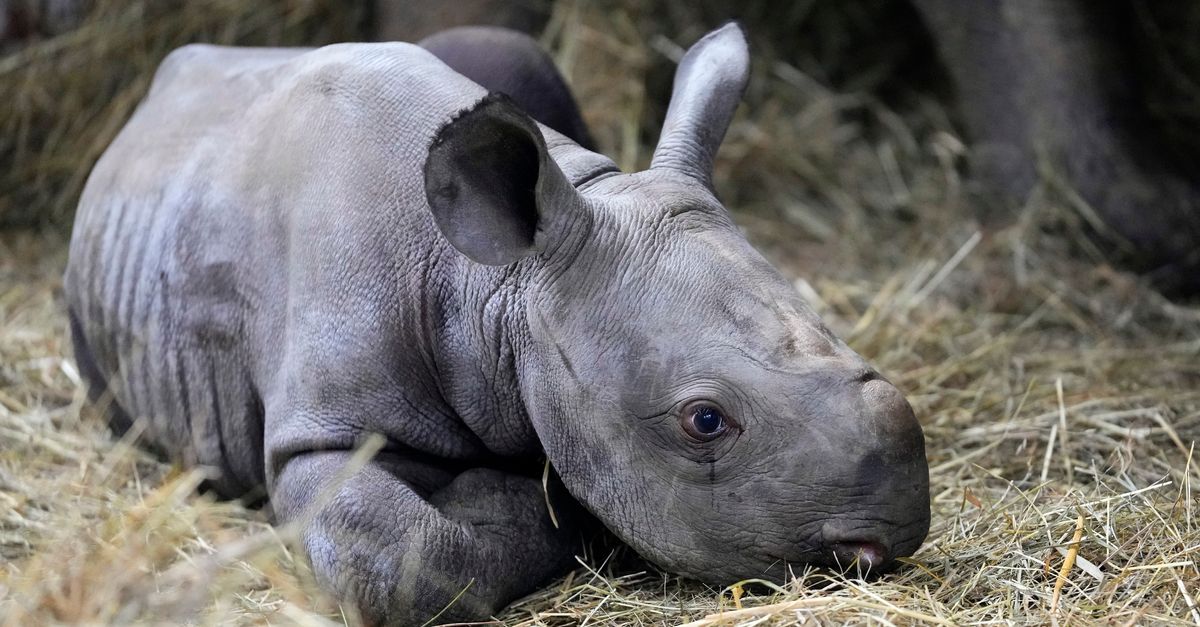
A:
<point x="286" y="251"/>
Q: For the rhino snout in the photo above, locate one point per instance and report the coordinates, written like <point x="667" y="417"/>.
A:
<point x="892" y="425"/>
<point x="868" y="549"/>
<point x="885" y="467"/>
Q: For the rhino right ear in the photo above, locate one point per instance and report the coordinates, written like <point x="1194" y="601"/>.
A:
<point x="494" y="191"/>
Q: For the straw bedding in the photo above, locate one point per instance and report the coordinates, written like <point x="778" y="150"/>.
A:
<point x="1059" y="395"/>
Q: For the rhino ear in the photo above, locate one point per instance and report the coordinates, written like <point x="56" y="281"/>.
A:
<point x="708" y="85"/>
<point x="494" y="191"/>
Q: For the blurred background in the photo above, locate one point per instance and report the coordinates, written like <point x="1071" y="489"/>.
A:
<point x="71" y="72"/>
<point x="1009" y="321"/>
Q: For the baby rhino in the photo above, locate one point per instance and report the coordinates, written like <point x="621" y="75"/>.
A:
<point x="287" y="251"/>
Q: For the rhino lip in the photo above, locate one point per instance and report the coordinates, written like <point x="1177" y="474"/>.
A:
<point x="844" y="558"/>
<point x="809" y="552"/>
<point x="844" y="547"/>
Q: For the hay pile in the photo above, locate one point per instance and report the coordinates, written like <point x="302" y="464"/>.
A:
<point x="1059" y="396"/>
<point x="65" y="97"/>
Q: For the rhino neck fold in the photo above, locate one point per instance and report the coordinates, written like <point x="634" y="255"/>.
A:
<point x="482" y="349"/>
<point x="475" y="354"/>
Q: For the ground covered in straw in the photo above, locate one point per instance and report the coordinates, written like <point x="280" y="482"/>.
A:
<point x="1059" y="396"/>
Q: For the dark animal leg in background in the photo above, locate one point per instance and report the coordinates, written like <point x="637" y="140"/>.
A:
<point x="411" y="20"/>
<point x="1054" y="79"/>
<point x="513" y="64"/>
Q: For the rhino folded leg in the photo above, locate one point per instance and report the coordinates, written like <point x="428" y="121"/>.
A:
<point x="405" y="541"/>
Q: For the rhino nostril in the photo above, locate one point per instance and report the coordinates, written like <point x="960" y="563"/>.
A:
<point x="863" y="555"/>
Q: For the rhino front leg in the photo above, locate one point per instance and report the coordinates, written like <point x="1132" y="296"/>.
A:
<point x="405" y="541"/>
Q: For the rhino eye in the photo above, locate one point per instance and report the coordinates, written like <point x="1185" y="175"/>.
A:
<point x="704" y="421"/>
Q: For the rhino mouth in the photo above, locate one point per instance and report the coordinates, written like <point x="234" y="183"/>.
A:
<point x="870" y="551"/>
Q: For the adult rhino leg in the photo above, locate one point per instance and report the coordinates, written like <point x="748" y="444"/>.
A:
<point x="405" y="541"/>
<point x="513" y="64"/>
<point x="1054" y="79"/>
<point x="410" y="20"/>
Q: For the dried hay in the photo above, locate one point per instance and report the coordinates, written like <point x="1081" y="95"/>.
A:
<point x="1059" y="399"/>
<point x="65" y="97"/>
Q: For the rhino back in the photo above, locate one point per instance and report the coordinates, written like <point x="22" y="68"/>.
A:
<point x="254" y="195"/>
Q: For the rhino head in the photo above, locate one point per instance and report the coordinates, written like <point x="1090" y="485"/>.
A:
<point x="682" y="389"/>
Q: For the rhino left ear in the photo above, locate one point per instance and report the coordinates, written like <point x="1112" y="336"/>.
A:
<point x="709" y="83"/>
<point x="494" y="191"/>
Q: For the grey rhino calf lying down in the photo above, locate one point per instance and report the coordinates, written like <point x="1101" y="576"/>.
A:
<point x="287" y="250"/>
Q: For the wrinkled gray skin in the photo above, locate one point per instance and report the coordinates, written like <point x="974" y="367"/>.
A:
<point x="287" y="250"/>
